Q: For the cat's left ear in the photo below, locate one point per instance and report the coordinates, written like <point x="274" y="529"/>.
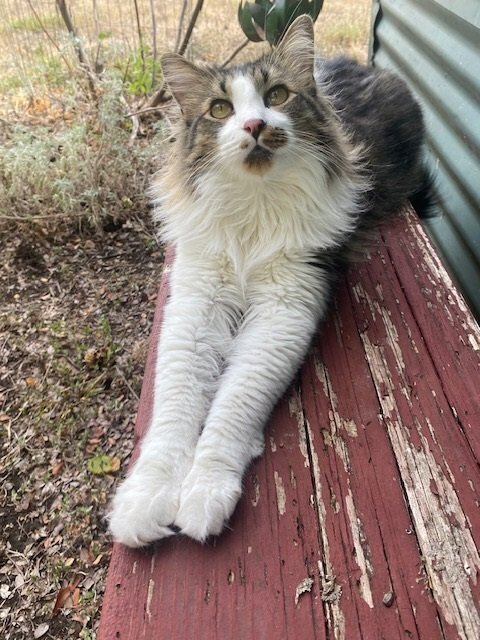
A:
<point x="296" y="49"/>
<point x="189" y="84"/>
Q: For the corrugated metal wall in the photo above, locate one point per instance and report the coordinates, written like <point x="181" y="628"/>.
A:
<point x="435" y="46"/>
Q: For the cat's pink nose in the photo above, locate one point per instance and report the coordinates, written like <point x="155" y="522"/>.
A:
<point x="254" y="127"/>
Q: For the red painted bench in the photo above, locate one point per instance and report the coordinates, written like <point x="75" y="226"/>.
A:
<point x="362" y="519"/>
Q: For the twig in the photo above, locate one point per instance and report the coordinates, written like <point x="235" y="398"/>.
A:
<point x="62" y="7"/>
<point x="140" y="37"/>
<point x="154" y="40"/>
<point x="146" y="110"/>
<point x="191" y="26"/>
<point x="158" y="97"/>
<point x="47" y="216"/>
<point x="180" y="25"/>
<point x="135" y="130"/>
<point x="135" y="124"/>
<point x="128" y="385"/>
<point x="235" y="52"/>
<point x="43" y="28"/>
<point x="97" y="67"/>
<point x="95" y="18"/>
<point x="70" y="362"/>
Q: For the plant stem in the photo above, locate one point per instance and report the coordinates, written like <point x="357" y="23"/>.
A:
<point x="235" y="52"/>
<point x="191" y="26"/>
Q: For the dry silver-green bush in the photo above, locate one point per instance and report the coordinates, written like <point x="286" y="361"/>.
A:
<point x="80" y="171"/>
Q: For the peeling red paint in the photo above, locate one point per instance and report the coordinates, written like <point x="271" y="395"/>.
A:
<point x="362" y="519"/>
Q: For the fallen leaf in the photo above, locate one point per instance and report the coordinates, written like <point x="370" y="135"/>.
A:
<point x="102" y="463"/>
<point x="75" y="598"/>
<point x="19" y="581"/>
<point x="62" y="596"/>
<point x="4" y="591"/>
<point x="41" y="630"/>
<point x="95" y="355"/>
<point x="66" y="593"/>
<point x="86" y="556"/>
<point x="57" y="467"/>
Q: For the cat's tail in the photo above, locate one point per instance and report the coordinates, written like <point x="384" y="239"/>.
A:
<point x="426" y="200"/>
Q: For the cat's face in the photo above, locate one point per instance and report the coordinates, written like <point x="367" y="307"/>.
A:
<point x="250" y="122"/>
<point x="247" y="118"/>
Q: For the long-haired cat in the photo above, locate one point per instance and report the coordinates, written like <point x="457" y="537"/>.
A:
<point x="280" y="169"/>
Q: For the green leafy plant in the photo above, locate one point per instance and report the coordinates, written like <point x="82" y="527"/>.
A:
<point x="142" y="70"/>
<point x="269" y="19"/>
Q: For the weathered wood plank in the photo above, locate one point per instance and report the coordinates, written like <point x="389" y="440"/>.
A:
<point x="448" y="329"/>
<point x="362" y="518"/>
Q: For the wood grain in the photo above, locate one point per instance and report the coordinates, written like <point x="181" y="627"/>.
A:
<point x="362" y="518"/>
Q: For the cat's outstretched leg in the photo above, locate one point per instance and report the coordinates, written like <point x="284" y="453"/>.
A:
<point x="195" y="337"/>
<point x="266" y="353"/>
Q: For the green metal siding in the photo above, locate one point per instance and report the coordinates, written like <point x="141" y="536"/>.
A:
<point x="435" y="46"/>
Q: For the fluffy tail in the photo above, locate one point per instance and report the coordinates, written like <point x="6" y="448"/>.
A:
<point x="426" y="200"/>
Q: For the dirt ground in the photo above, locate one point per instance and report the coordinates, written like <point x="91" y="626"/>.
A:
<point x="74" y="320"/>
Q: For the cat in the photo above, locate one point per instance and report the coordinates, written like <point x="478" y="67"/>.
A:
<point x="280" y="171"/>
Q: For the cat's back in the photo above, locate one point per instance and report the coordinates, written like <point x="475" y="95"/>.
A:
<point x="368" y="99"/>
<point x="378" y="111"/>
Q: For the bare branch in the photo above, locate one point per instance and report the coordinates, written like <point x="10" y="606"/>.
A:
<point x="140" y="111"/>
<point x="180" y="25"/>
<point x="62" y="7"/>
<point x="154" y="40"/>
<point x="43" y="28"/>
<point x="158" y="97"/>
<point x="191" y="26"/>
<point x="235" y="52"/>
<point x="161" y="94"/>
<point x="140" y="36"/>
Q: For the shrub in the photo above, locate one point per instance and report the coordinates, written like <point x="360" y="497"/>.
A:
<point x="80" y="169"/>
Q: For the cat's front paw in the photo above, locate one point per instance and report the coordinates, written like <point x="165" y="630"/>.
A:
<point x="207" y="500"/>
<point x="144" y="507"/>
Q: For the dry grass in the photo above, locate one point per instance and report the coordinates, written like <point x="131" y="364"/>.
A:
<point x="342" y="27"/>
<point x="29" y="60"/>
<point x="76" y="308"/>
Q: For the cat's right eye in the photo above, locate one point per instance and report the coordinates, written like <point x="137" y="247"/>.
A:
<point x="221" y="109"/>
<point x="276" y="96"/>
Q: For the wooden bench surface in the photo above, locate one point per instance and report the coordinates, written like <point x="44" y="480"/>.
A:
<point x="362" y="519"/>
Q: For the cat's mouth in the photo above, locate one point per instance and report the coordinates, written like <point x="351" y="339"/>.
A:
<point x="259" y="159"/>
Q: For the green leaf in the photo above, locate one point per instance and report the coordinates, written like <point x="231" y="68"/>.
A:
<point x="269" y="19"/>
<point x="251" y="18"/>
<point x="101" y="463"/>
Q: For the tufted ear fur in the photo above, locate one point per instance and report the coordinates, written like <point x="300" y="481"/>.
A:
<point x="296" y="49"/>
<point x="189" y="84"/>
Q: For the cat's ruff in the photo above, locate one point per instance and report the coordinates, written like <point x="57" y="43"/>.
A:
<point x="259" y="244"/>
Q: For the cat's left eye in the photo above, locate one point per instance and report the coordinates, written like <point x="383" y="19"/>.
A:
<point x="221" y="109"/>
<point x="276" y="96"/>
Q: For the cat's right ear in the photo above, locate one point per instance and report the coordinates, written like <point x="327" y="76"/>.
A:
<point x="188" y="83"/>
<point x="296" y="49"/>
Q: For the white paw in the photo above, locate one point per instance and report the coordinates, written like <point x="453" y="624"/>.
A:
<point x="144" y="506"/>
<point x="208" y="499"/>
